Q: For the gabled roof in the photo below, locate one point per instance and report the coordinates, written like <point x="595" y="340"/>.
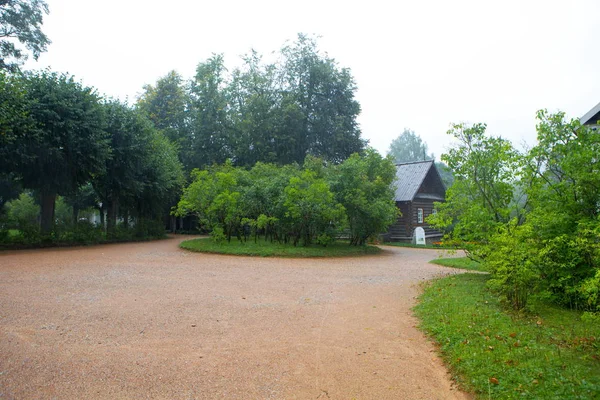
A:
<point x="591" y="117"/>
<point x="409" y="177"/>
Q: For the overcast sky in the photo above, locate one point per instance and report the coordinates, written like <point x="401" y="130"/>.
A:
<point x="417" y="64"/>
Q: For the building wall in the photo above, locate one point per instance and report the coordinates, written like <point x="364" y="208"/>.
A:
<point x="402" y="229"/>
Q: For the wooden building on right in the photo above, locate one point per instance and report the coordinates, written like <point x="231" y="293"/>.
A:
<point x="418" y="186"/>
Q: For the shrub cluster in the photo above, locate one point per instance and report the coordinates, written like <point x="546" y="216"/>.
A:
<point x="291" y="204"/>
<point x="533" y="218"/>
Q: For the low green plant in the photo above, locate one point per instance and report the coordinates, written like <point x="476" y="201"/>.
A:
<point x="217" y="235"/>
<point x="552" y="353"/>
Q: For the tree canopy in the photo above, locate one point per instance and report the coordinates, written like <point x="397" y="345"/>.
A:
<point x="312" y="204"/>
<point x="63" y="144"/>
<point x="532" y="217"/>
<point x="303" y="104"/>
<point x="21" y="21"/>
<point x="409" y="146"/>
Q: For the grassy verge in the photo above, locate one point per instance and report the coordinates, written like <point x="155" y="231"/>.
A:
<point x="268" y="249"/>
<point x="554" y="354"/>
<point x="459" y="262"/>
<point x="419" y="246"/>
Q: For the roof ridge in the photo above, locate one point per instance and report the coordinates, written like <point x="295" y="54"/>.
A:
<point x="414" y="162"/>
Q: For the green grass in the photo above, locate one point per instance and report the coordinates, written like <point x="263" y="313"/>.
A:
<point x="268" y="249"/>
<point x="552" y="354"/>
<point x="419" y="246"/>
<point x="459" y="262"/>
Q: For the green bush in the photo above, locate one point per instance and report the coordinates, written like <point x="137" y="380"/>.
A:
<point x="83" y="232"/>
<point x="23" y="212"/>
<point x="571" y="264"/>
<point x="512" y="259"/>
<point x="218" y="235"/>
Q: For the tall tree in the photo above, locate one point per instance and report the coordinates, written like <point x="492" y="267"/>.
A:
<point x="119" y="179"/>
<point x="64" y="146"/>
<point x="143" y="172"/>
<point x="363" y="185"/>
<point x="165" y="104"/>
<point x="254" y="109"/>
<point x="409" y="146"/>
<point x="14" y="123"/>
<point x="209" y="107"/>
<point x="21" y="21"/>
<point x="481" y="198"/>
<point x="318" y="105"/>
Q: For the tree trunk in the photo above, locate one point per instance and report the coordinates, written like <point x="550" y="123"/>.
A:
<point x="111" y="218"/>
<point x="101" y="211"/>
<point x="47" y="206"/>
<point x="126" y="219"/>
<point x="75" y="215"/>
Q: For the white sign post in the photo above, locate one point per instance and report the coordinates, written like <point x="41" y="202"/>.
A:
<point x="420" y="236"/>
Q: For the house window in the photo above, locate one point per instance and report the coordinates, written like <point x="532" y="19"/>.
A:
<point x="419" y="215"/>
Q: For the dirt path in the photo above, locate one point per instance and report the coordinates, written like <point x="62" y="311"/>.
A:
<point x="148" y="320"/>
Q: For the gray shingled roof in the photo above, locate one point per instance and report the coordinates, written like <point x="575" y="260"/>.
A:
<point x="592" y="116"/>
<point x="409" y="177"/>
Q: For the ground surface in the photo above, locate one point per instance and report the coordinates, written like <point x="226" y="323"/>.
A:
<point x="149" y="320"/>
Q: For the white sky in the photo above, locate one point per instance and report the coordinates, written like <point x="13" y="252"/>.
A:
<point x="417" y="64"/>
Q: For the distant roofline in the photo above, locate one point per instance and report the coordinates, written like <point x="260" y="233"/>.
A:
<point x="590" y="114"/>
<point x="414" y="162"/>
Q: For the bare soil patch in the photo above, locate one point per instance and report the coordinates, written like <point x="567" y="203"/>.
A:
<point x="149" y="320"/>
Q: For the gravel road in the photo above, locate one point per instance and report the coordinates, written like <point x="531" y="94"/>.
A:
<point x="152" y="321"/>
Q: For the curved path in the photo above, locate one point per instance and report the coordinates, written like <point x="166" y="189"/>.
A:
<point x="148" y="320"/>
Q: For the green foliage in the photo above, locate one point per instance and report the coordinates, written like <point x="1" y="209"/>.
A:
<point x="63" y="145"/>
<point x="512" y="257"/>
<point x="318" y="109"/>
<point x="214" y="197"/>
<point x="533" y="218"/>
<point x="23" y="212"/>
<point x="289" y="204"/>
<point x="481" y="197"/>
<point x="364" y="186"/>
<point x="63" y="213"/>
<point x="553" y="353"/>
<point x="311" y="209"/>
<point x="165" y="105"/>
<point x="82" y="232"/>
<point x="279" y="112"/>
<point x="409" y="147"/>
<point x="20" y="21"/>
<point x="218" y="235"/>
<point x="267" y="248"/>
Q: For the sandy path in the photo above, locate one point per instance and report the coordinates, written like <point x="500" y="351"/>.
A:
<point x="151" y="321"/>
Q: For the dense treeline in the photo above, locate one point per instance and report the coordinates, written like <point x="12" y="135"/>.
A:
<point x="532" y="217"/>
<point x="290" y="204"/>
<point x="60" y="138"/>
<point x="62" y="141"/>
<point x="302" y="104"/>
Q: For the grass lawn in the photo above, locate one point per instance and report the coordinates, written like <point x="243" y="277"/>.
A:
<point x="419" y="246"/>
<point x="459" y="262"/>
<point x="551" y="354"/>
<point x="267" y="249"/>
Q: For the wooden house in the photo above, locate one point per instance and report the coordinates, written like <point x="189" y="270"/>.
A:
<point x="418" y="186"/>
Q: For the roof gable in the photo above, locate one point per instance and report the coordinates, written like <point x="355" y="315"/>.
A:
<point x="411" y="176"/>
<point x="591" y="117"/>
